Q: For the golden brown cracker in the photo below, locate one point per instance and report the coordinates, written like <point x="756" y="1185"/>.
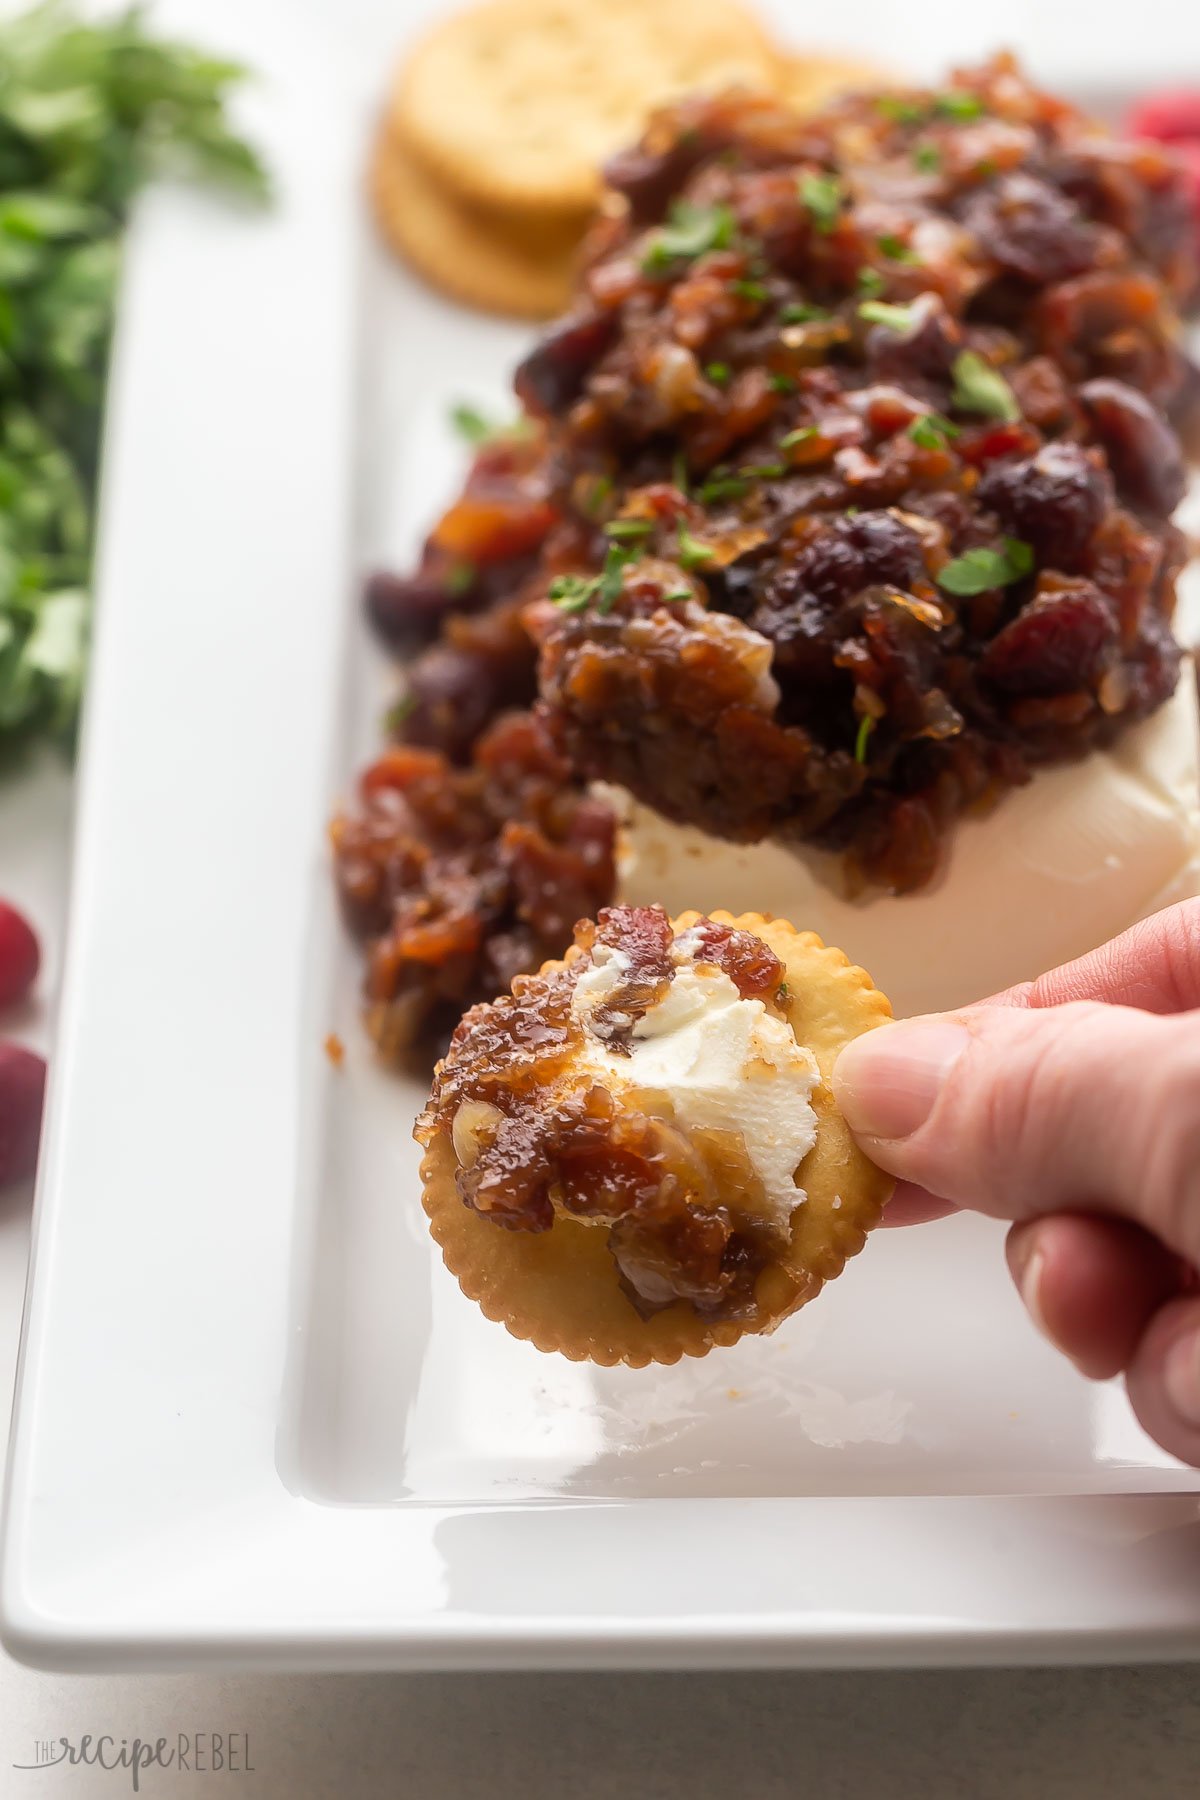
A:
<point x="559" y="1288"/>
<point x="524" y="273"/>
<point x="809" y="82"/>
<point x="518" y="102"/>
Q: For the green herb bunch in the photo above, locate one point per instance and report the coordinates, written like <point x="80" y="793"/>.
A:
<point x="89" y="112"/>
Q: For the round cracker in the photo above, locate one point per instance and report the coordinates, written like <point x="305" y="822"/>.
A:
<point x="807" y="83"/>
<point x="465" y="254"/>
<point x="558" y="1288"/>
<point x="520" y="101"/>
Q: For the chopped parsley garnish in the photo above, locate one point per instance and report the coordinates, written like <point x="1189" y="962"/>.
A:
<point x="871" y="282"/>
<point x="866" y="726"/>
<point x="722" y="486"/>
<point x="679" y="594"/>
<point x="900" y="110"/>
<point x="470" y="423"/>
<point x="688" y="233"/>
<point x="691" y="551"/>
<point x="478" y="429"/>
<point x="750" y="290"/>
<point x="629" y="530"/>
<point x="979" y="388"/>
<point x="575" y="593"/>
<point x="879" y="312"/>
<point x="769" y="471"/>
<point x="782" y="994"/>
<point x="679" y="472"/>
<point x="612" y="576"/>
<point x="571" y="593"/>
<point x="781" y="384"/>
<point x="459" y="578"/>
<point x="799" y="312"/>
<point x="927" y="158"/>
<point x="975" y="571"/>
<point x="801" y="435"/>
<point x="822" y="195"/>
<point x="397" y="713"/>
<point x="718" y="373"/>
<point x="594" y="495"/>
<point x="932" y="432"/>
<point x="896" y="248"/>
<point x="958" y="103"/>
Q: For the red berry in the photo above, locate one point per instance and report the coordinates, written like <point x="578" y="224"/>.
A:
<point x="1168" y="117"/>
<point x="20" y="955"/>
<point x="22" y="1089"/>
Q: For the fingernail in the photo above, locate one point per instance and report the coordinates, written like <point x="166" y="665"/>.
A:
<point x="1181" y="1377"/>
<point x="887" y="1081"/>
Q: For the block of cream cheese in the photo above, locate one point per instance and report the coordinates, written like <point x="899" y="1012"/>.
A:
<point x="1057" y="868"/>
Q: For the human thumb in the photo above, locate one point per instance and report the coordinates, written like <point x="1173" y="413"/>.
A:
<point x="1018" y="1112"/>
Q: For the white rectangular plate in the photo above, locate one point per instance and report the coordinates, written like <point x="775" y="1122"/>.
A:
<point x="257" y="1423"/>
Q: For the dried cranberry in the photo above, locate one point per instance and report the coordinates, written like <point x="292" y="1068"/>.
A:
<point x="1142" y="449"/>
<point x="854" y="553"/>
<point x="1031" y="229"/>
<point x="649" y="178"/>
<point x="1054" y="501"/>
<point x="406" y="610"/>
<point x="22" y="1090"/>
<point x="552" y="375"/>
<point x="1056" y="644"/>
<point x="20" y="955"/>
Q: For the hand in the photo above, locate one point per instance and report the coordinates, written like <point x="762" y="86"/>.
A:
<point x="1070" y="1105"/>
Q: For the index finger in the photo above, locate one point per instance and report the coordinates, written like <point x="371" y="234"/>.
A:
<point x="1155" y="966"/>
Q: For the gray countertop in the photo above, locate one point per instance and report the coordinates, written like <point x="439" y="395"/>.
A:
<point x="1132" y="1734"/>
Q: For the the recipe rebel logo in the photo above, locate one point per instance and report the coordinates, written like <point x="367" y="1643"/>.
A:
<point x="199" y="1753"/>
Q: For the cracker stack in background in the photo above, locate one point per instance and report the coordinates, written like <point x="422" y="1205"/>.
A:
<point x="486" y="168"/>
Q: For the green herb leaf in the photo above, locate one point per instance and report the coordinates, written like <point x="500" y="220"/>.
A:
<point x="681" y="593"/>
<point x="958" y="103"/>
<point x="679" y="472"/>
<point x="594" y="495"/>
<point x="978" y="388"/>
<point x="572" y="593"/>
<point x="718" y="373"/>
<point x="932" y="432"/>
<point x="722" y="486"/>
<point x="690" y="232"/>
<point x="471" y="424"/>
<point x="866" y="726"/>
<point x="871" y="282"/>
<point x="896" y="249"/>
<point x="822" y="195"/>
<point x="460" y="578"/>
<point x="397" y="713"/>
<point x="769" y="471"/>
<point x="629" y="530"/>
<point x="799" y="312"/>
<point x="691" y="551"/>
<point x="801" y="435"/>
<point x="879" y="312"/>
<point x="978" y="570"/>
<point x="900" y="110"/>
<point x="750" y="290"/>
<point x="781" y="384"/>
<point x="927" y="158"/>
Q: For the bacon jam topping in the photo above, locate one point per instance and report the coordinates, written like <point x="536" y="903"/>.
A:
<point x="844" y="501"/>
<point x="543" y="1098"/>
<point x="459" y="879"/>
